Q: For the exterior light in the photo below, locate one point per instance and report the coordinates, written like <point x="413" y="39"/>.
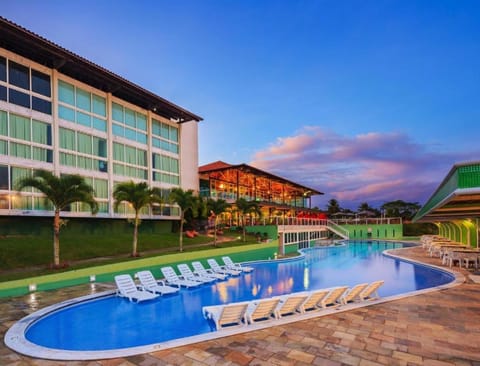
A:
<point x="32" y="287"/>
<point x="92" y="278"/>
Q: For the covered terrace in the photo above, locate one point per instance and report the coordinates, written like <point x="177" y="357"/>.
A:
<point x="274" y="194"/>
<point x="455" y="205"/>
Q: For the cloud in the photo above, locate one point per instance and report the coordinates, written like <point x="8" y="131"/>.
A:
<point x="373" y="167"/>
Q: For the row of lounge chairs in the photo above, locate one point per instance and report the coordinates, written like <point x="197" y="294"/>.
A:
<point x="244" y="313"/>
<point x="451" y="252"/>
<point x="150" y="288"/>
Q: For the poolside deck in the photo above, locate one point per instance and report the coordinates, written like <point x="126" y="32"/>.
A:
<point x="434" y="329"/>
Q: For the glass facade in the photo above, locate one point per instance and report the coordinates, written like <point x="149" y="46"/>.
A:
<point x="71" y="135"/>
<point x="164" y="137"/>
<point x="129" y="124"/>
<point x="25" y="138"/>
<point x="82" y="107"/>
<point x="24" y="86"/>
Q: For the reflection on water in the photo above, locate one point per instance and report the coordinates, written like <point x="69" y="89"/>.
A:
<point x="32" y="302"/>
<point x="306" y="278"/>
<point x="116" y="323"/>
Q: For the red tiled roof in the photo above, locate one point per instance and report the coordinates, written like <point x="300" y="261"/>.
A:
<point x="213" y="166"/>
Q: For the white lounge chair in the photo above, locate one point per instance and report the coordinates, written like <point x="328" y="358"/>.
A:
<point x="202" y="271"/>
<point x="174" y="280"/>
<point x="226" y="315"/>
<point x="290" y="304"/>
<point x="236" y="266"/>
<point x="334" y="297"/>
<point x="353" y="294"/>
<point x="262" y="310"/>
<point x="313" y="301"/>
<point x="127" y="288"/>
<point x="149" y="283"/>
<point x="371" y="292"/>
<point x="219" y="269"/>
<point x="187" y="274"/>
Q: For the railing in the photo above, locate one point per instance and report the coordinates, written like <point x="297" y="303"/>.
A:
<point x="369" y="221"/>
<point x="275" y="220"/>
<point x="337" y="229"/>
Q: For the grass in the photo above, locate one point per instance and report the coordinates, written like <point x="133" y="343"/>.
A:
<point x="24" y="256"/>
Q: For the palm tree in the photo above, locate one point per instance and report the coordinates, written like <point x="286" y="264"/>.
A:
<point x="245" y="207"/>
<point x="216" y="207"/>
<point x="138" y="196"/>
<point x="333" y="206"/>
<point x="61" y="192"/>
<point x="187" y="201"/>
<point x="400" y="208"/>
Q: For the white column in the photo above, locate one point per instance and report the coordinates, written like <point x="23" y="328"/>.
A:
<point x="110" y="154"/>
<point x="55" y="128"/>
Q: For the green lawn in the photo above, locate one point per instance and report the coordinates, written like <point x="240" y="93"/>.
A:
<point x="16" y="282"/>
<point x="25" y="256"/>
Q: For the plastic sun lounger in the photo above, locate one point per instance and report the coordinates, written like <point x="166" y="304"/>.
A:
<point x="149" y="283"/>
<point x="262" y="310"/>
<point x="127" y="288"/>
<point x="371" y="292"/>
<point x="226" y="315"/>
<point x="198" y="268"/>
<point x="313" y="302"/>
<point x="187" y="274"/>
<point x="334" y="297"/>
<point x="353" y="294"/>
<point x="290" y="304"/>
<point x="173" y="279"/>
<point x="218" y="269"/>
<point x="236" y="266"/>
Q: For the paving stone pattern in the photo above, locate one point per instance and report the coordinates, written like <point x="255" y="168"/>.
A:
<point x="436" y="329"/>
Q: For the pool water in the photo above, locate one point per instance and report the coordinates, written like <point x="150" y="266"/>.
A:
<point x="114" y="322"/>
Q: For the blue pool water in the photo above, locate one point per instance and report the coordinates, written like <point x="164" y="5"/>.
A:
<point x="113" y="322"/>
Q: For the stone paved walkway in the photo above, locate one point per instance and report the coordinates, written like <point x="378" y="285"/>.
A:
<point x="436" y="329"/>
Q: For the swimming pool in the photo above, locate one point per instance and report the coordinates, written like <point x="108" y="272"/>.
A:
<point x="114" y="326"/>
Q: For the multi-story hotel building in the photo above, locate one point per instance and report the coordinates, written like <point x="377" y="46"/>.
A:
<point x="65" y="114"/>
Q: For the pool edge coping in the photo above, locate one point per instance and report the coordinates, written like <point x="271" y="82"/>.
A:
<point x="15" y="336"/>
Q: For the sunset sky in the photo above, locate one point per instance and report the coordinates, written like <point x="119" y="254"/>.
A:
<point x="366" y="101"/>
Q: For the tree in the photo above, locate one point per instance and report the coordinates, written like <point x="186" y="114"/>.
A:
<point x="60" y="192"/>
<point x="138" y="196"/>
<point x="187" y="201"/>
<point x="244" y="208"/>
<point x="215" y="208"/>
<point x="365" y="208"/>
<point x="333" y="206"/>
<point x="399" y="208"/>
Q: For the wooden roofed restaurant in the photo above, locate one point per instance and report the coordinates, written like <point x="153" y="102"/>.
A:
<point x="276" y="196"/>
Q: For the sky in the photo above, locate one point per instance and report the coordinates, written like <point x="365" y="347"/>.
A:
<point x="363" y="100"/>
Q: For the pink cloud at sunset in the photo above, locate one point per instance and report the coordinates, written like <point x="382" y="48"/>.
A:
<point x="373" y="167"/>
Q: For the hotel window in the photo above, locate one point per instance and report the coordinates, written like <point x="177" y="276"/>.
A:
<point x="4" y="177"/>
<point x="165" y="169"/>
<point x="165" y="137"/>
<point x="82" y="107"/>
<point x="129" y="124"/>
<point x="25" y="87"/>
<point x="129" y="161"/>
<point x="100" y="187"/>
<point x="3" y="78"/>
<point x="18" y="75"/>
<point x="25" y="138"/>
<point x="81" y="150"/>
<point x="3" y="69"/>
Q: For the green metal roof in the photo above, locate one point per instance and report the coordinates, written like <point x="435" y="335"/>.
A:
<point x="457" y="197"/>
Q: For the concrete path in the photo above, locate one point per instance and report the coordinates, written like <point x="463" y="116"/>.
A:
<point x="436" y="329"/>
